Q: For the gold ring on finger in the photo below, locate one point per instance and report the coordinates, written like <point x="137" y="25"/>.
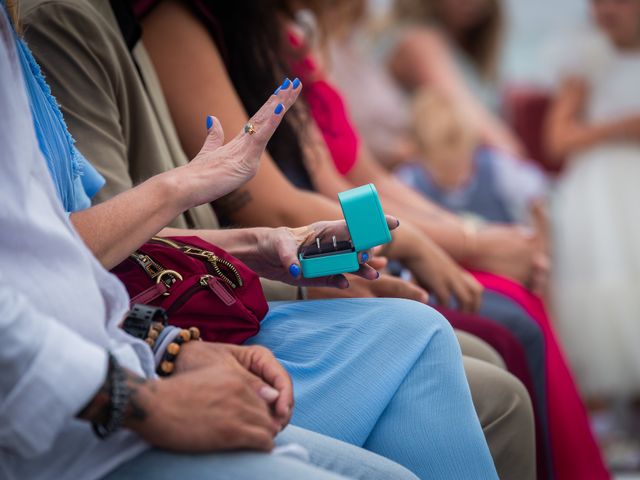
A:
<point x="249" y="128"/>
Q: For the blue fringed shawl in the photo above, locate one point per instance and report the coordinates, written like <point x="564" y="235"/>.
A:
<point x="76" y="181"/>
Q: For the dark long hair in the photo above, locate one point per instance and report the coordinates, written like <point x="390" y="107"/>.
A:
<point x="250" y="37"/>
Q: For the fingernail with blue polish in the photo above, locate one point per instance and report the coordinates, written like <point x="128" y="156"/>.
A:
<point x="286" y="84"/>
<point x="378" y="275"/>
<point x="397" y="224"/>
<point x="209" y="122"/>
<point x="365" y="257"/>
<point x="277" y="90"/>
<point x="279" y="109"/>
<point x="296" y="83"/>
<point x="294" y="270"/>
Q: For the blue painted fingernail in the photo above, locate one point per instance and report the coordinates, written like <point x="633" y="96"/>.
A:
<point x="209" y="122"/>
<point x="277" y="90"/>
<point x="286" y="84"/>
<point x="378" y="275"/>
<point x="279" y="109"/>
<point x="397" y="224"/>
<point x="294" y="270"/>
<point x="296" y="83"/>
<point x="365" y="256"/>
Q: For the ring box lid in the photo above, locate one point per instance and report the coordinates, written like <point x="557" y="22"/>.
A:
<point x="365" y="218"/>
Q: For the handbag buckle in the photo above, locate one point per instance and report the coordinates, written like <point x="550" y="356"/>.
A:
<point x="174" y="276"/>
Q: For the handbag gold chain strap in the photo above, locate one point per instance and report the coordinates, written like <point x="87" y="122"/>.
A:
<point x="211" y="257"/>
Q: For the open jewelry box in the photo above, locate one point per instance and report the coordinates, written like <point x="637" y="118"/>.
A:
<point x="367" y="226"/>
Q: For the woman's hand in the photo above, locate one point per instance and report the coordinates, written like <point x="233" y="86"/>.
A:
<point x="220" y="169"/>
<point x="276" y="253"/>
<point x="437" y="272"/>
<point x="513" y="252"/>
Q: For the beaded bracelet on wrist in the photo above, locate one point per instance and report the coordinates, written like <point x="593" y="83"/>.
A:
<point x="167" y="364"/>
<point x="155" y="329"/>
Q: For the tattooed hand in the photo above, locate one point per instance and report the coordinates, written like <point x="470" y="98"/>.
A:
<point x="203" y="410"/>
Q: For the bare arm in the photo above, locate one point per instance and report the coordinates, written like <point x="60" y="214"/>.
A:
<point x="432" y="268"/>
<point x="178" y="42"/>
<point x="113" y="229"/>
<point x="423" y="58"/>
<point x="445" y="228"/>
<point x="566" y="132"/>
<point x="167" y="30"/>
<point x="267" y="200"/>
<point x="500" y="249"/>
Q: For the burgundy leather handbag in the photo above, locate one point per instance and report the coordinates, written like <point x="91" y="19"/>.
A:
<point x="199" y="285"/>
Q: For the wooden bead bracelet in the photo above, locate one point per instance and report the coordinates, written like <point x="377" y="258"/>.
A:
<point x="167" y="364"/>
<point x="155" y="329"/>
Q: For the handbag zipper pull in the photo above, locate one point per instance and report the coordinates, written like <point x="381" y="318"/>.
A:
<point x="218" y="289"/>
<point x="150" y="294"/>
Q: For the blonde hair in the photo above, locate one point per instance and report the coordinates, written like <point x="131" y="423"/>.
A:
<point x="14" y="13"/>
<point x="439" y="123"/>
<point x="481" y="43"/>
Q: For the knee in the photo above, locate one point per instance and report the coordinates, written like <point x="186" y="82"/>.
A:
<point x="418" y="319"/>
<point x="506" y="415"/>
<point x="515" y="406"/>
<point x="474" y="347"/>
<point x="499" y="397"/>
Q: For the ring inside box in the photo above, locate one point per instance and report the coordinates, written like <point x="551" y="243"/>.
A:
<point x="326" y="249"/>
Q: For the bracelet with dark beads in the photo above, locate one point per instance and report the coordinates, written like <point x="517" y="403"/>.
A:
<point x="167" y="364"/>
<point x="155" y="329"/>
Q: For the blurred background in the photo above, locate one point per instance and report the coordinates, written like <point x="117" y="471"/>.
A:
<point x="549" y="92"/>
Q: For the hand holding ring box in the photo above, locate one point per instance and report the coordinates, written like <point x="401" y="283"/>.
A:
<point x="367" y="227"/>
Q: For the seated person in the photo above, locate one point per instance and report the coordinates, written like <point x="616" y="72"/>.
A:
<point x="65" y="357"/>
<point x="462" y="175"/>
<point x="594" y="127"/>
<point x="443" y="45"/>
<point x="294" y="345"/>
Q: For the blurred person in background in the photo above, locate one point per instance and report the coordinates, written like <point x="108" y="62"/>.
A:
<point x="594" y="125"/>
<point x="386" y="112"/>
<point x="459" y="173"/>
<point x="453" y="45"/>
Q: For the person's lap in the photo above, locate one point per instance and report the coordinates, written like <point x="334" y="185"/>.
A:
<point x="375" y="373"/>
<point x="343" y="458"/>
<point x="328" y="459"/>
<point x="507" y="313"/>
<point x="346" y="357"/>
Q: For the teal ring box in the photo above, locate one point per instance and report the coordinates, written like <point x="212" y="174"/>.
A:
<point x="367" y="226"/>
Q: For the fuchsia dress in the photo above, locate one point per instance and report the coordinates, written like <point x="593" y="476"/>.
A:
<point x="575" y="453"/>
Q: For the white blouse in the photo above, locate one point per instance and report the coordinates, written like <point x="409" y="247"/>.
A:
<point x="59" y="313"/>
